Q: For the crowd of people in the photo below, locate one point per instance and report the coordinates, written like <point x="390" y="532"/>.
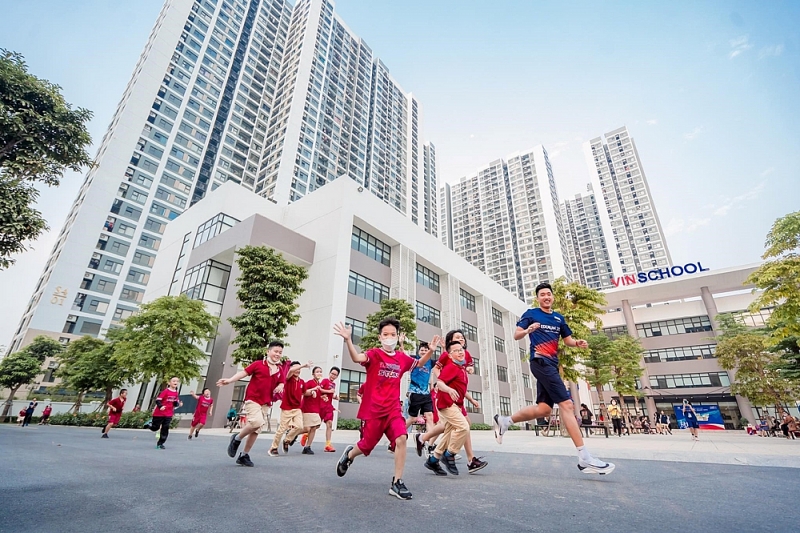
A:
<point x="785" y="425"/>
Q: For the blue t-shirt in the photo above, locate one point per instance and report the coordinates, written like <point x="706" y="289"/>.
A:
<point x="420" y="377"/>
<point x="544" y="340"/>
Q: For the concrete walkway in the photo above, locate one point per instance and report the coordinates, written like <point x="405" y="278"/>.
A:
<point x="717" y="447"/>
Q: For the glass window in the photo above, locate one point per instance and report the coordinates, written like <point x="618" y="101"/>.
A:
<point x="213" y="227"/>
<point x="526" y="381"/>
<point x="505" y="406"/>
<point x="685" y="353"/>
<point x="470" y="331"/>
<point x="428" y="314"/>
<point x="350" y="381"/>
<point x="359" y="329"/>
<point x="370" y="246"/>
<point x="478" y="397"/>
<point x="467" y="300"/>
<point x="502" y="374"/>
<point x="674" y="327"/>
<point x="477" y="365"/>
<point x="679" y="381"/>
<point x="366" y="288"/>
<point x="499" y="345"/>
<point x="497" y="317"/>
<point x="428" y="278"/>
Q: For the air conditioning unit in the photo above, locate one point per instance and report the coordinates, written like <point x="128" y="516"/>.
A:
<point x="103" y="237"/>
<point x="96" y="255"/>
<point x="88" y="276"/>
<point x="72" y="318"/>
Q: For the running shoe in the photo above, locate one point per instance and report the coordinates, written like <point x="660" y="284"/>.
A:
<point x="244" y="460"/>
<point x="450" y="463"/>
<point x="390" y="449"/>
<point x="475" y="465"/>
<point x="435" y="466"/>
<point x="197" y="433"/>
<point x="344" y="462"/>
<point x="398" y="488"/>
<point x="160" y="447"/>
<point x="190" y="435"/>
<point x="419" y="443"/>
<point x="595" y="466"/>
<point x="500" y="426"/>
<point x="233" y="445"/>
<point x="303" y="440"/>
<point x="308" y="451"/>
<point x="273" y="452"/>
<point x="286" y="445"/>
<point x="105" y="436"/>
<point x="329" y="448"/>
<point x="431" y="449"/>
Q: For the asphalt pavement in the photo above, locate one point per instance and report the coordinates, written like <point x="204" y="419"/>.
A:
<point x="64" y="479"/>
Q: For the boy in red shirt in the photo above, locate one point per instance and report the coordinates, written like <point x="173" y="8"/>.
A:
<point x="291" y="412"/>
<point x="328" y="394"/>
<point x="266" y="383"/>
<point x="166" y="403"/>
<point x="45" y="420"/>
<point x="452" y="387"/>
<point x="205" y="408"/>
<point x="312" y="410"/>
<point x="21" y="417"/>
<point x="115" y="411"/>
<point x="380" y="404"/>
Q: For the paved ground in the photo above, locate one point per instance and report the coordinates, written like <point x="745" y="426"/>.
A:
<point x="58" y="479"/>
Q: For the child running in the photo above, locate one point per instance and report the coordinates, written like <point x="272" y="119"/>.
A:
<point x="380" y="403"/>
<point x="204" y="409"/>
<point x="328" y="390"/>
<point x="166" y="403"/>
<point x="544" y="327"/>
<point x="115" y="411"/>
<point x="291" y="423"/>
<point x="452" y="387"/>
<point x="312" y="405"/>
<point x="419" y="396"/>
<point x="267" y="376"/>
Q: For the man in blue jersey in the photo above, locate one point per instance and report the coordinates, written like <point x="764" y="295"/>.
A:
<point x="545" y="327"/>
<point x="419" y="395"/>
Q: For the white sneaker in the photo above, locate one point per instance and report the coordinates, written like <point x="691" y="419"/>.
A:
<point x="500" y="425"/>
<point x="595" y="466"/>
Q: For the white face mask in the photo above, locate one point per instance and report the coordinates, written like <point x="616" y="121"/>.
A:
<point x="390" y="343"/>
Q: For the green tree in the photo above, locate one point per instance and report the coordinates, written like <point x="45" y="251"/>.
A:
<point x="403" y="312"/>
<point x="751" y="354"/>
<point x="88" y="365"/>
<point x="779" y="278"/>
<point x="626" y="354"/>
<point x="161" y="340"/>
<point x="43" y="347"/>
<point x="18" y="369"/>
<point x="582" y="308"/>
<point x="41" y="136"/>
<point x="597" y="364"/>
<point x="269" y="286"/>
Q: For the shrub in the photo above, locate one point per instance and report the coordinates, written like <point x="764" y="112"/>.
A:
<point x="348" y="423"/>
<point x="480" y="427"/>
<point x="129" y="420"/>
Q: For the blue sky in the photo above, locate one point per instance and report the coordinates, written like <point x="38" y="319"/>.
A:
<point x="709" y="91"/>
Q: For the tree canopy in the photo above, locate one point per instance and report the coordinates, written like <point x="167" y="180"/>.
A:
<point x="17" y="369"/>
<point x="268" y="288"/>
<point x="41" y="137"/>
<point x="403" y="312"/>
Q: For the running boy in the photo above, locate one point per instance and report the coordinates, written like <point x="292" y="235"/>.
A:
<point x="166" y="403"/>
<point x="45" y="420"/>
<point x="291" y="423"/>
<point x="115" y="411"/>
<point x="419" y="396"/>
<point x="328" y="390"/>
<point x="544" y="327"/>
<point x="380" y="404"/>
<point x="452" y="387"/>
<point x="312" y="406"/>
<point x="266" y="381"/>
<point x="205" y="408"/>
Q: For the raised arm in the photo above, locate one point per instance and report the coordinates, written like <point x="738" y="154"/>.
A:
<point x="427" y="357"/>
<point x="195" y="396"/>
<point x="236" y="377"/>
<point x="344" y="332"/>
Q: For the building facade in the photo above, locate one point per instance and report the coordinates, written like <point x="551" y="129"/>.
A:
<point x="357" y="252"/>
<point x="587" y="248"/>
<point x="276" y="99"/>
<point x="675" y="321"/>
<point x="626" y="207"/>
<point x="506" y="220"/>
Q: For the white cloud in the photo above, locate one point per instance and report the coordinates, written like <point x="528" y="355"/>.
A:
<point x="652" y="121"/>
<point x="769" y="51"/>
<point x="556" y="148"/>
<point x="766" y="172"/>
<point x="682" y="225"/>
<point x="692" y="135"/>
<point x="739" y="45"/>
<point x="732" y="203"/>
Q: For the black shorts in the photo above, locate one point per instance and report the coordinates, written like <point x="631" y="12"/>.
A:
<point x="419" y="404"/>
<point x="692" y="422"/>
<point x="550" y="388"/>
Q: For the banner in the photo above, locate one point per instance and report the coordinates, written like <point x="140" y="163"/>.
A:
<point x="708" y="417"/>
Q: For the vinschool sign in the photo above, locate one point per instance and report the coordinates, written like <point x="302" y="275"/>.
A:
<point x="659" y="274"/>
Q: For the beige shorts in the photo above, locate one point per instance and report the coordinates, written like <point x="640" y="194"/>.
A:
<point x="256" y="414"/>
<point x="311" y="420"/>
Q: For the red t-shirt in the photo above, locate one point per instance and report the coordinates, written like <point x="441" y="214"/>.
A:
<point x="326" y="400"/>
<point x="117" y="403"/>
<point x="381" y="395"/>
<point x="47" y="411"/>
<point x="445" y="358"/>
<point x="455" y="377"/>
<point x="312" y="404"/>
<point x="202" y="405"/>
<point x="293" y="393"/>
<point x="22" y="412"/>
<point x="263" y="381"/>
<point x="169" y="400"/>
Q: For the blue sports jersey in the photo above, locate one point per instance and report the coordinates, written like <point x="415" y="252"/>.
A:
<point x="544" y="340"/>
<point x="420" y="377"/>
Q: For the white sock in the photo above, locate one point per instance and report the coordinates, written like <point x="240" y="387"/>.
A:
<point x="507" y="421"/>
<point x="238" y="438"/>
<point x="583" y="453"/>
